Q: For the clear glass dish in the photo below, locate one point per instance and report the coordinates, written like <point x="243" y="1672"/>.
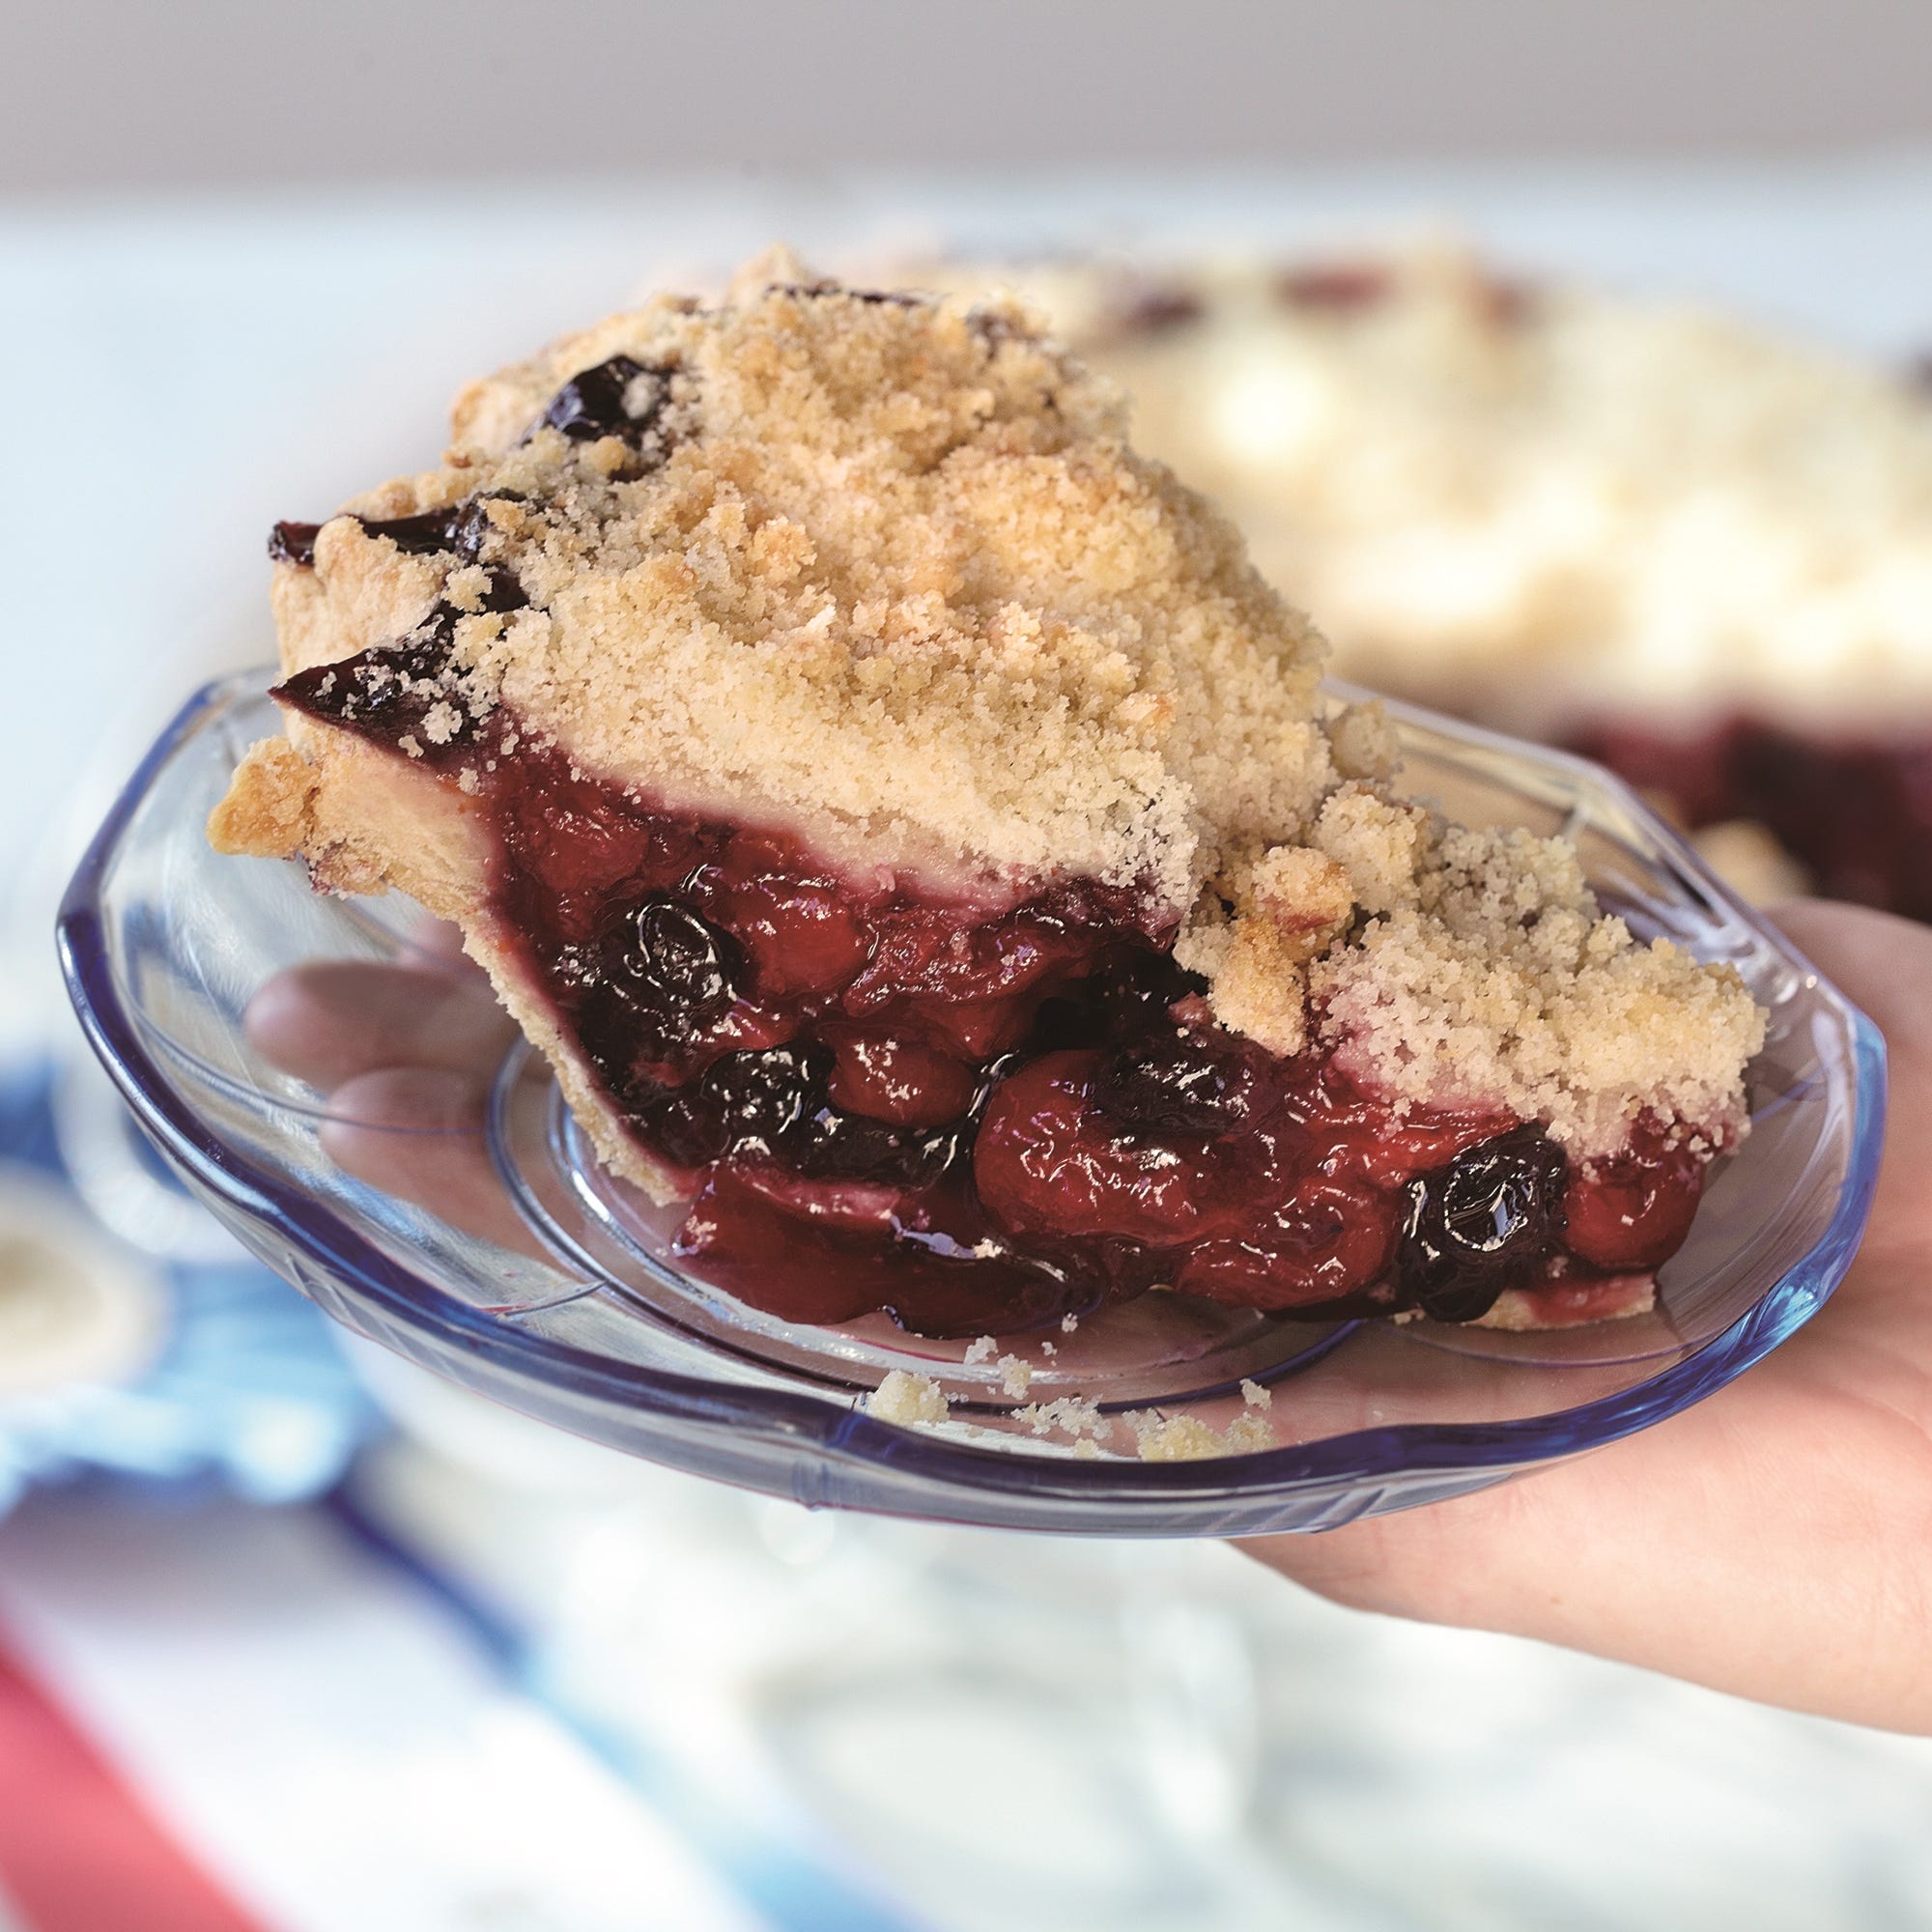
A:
<point x="570" y="1308"/>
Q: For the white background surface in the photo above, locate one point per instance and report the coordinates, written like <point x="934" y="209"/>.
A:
<point x="137" y="91"/>
<point x="180" y="371"/>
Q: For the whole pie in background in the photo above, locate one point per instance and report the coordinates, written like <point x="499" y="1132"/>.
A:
<point x="1689" y="548"/>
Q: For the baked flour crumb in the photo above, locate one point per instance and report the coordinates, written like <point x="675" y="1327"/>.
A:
<point x="1188" y="1438"/>
<point x="907" y="1399"/>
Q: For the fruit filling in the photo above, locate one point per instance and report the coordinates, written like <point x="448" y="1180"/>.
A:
<point x="984" y="1114"/>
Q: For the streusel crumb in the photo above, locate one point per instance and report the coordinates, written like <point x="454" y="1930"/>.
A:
<point x="1173" y="1438"/>
<point x="907" y="1399"/>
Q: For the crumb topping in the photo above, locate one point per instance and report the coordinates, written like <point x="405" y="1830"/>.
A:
<point x="886" y="566"/>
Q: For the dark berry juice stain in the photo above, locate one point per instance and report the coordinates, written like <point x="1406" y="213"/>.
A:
<point x="293" y="543"/>
<point x="621" y="397"/>
<point x="1337" y="288"/>
<point x="458" y="530"/>
<point x="981" y="1119"/>
<point x="409" y="696"/>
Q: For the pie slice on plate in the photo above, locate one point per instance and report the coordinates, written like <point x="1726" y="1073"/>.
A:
<point x="915" y="836"/>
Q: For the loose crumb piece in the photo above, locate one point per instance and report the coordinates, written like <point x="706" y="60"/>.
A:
<point x="1077" y="1414"/>
<point x="1069" y="1322"/>
<point x="268" y="810"/>
<point x="1087" y="1449"/>
<point x="907" y="1399"/>
<point x="1249" y="1432"/>
<point x="1173" y="1438"/>
<point x="1016" y="1375"/>
<point x="1255" y="1395"/>
<point x="1186" y="1438"/>
<point x="982" y="1351"/>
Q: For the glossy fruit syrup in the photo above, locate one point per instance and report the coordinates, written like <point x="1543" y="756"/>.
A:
<point x="982" y="1117"/>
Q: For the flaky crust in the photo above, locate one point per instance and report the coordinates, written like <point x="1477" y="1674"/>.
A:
<point x="365" y="821"/>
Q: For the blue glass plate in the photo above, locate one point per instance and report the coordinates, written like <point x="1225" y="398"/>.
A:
<point x="563" y="1300"/>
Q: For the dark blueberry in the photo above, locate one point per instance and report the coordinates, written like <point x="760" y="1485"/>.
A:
<point x="745" y="1104"/>
<point x="761" y="1096"/>
<point x="1480" y="1225"/>
<point x="293" y="543"/>
<point x="668" y="959"/>
<point x="504" y="592"/>
<point x="687" y="1126"/>
<point x="469" y="524"/>
<point x="1177" y="1082"/>
<point x="621" y="397"/>
<point x="835" y="1146"/>
<point x="426" y="533"/>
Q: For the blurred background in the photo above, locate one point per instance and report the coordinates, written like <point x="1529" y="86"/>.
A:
<point x="293" y="1638"/>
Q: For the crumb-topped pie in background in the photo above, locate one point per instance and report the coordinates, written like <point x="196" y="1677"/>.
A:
<point x="1690" y="547"/>
<point x="916" y="837"/>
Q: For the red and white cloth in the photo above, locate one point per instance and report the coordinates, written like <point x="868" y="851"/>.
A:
<point x="236" y="1720"/>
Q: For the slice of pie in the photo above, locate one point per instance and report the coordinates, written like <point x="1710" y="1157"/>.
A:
<point x="1692" y="548"/>
<point x="915" y="836"/>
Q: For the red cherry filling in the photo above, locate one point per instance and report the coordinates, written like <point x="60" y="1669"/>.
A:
<point x="981" y="1118"/>
<point x="1326" y="1244"/>
<point x="1630" y="1214"/>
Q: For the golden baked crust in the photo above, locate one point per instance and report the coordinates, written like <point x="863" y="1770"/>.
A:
<point x="884" y="568"/>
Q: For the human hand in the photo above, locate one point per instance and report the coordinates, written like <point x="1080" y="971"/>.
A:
<point x="405" y="1052"/>
<point x="1774" y="1541"/>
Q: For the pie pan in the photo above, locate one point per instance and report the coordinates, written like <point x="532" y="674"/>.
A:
<point x="566" y="1303"/>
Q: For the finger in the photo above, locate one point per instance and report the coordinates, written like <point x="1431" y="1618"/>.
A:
<point x="437" y="942"/>
<point x="1884" y="965"/>
<point x="1744" y="1545"/>
<point x="330" y="1020"/>
<point x="418" y="1133"/>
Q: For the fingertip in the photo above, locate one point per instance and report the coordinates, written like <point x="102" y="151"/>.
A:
<point x="329" y="1020"/>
